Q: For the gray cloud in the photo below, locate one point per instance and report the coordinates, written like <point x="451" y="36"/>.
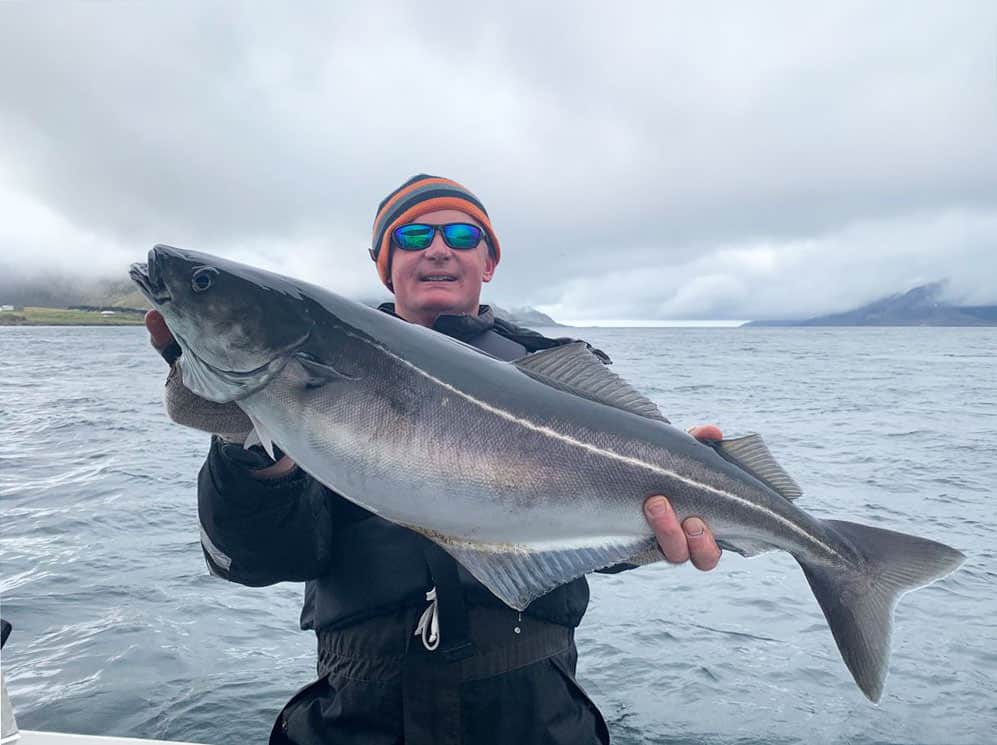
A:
<point x="665" y="161"/>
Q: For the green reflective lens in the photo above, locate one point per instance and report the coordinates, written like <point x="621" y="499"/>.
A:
<point x="414" y="237"/>
<point x="461" y="235"/>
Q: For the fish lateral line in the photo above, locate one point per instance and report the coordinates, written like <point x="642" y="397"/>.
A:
<point x="606" y="453"/>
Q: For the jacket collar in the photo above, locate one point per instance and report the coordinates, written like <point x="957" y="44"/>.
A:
<point x="463" y="327"/>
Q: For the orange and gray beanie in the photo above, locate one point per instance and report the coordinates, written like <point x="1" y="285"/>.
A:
<point x="417" y="196"/>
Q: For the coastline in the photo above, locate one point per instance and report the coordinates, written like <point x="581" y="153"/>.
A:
<point x="32" y="316"/>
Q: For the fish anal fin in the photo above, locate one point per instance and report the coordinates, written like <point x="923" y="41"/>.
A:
<point x="519" y="574"/>
<point x="750" y="454"/>
<point x="575" y="369"/>
<point x="747" y="547"/>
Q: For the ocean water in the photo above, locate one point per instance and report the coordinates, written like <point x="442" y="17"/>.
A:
<point x="120" y="630"/>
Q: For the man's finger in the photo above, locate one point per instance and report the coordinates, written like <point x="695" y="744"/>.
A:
<point x="706" y="432"/>
<point x="667" y="530"/>
<point x="703" y="550"/>
<point x="159" y="332"/>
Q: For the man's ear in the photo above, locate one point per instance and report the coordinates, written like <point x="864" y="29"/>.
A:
<point x="489" y="272"/>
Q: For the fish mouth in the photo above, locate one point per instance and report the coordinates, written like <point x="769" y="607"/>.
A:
<point x="150" y="283"/>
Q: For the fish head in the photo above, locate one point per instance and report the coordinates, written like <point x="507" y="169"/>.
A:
<point x="237" y="325"/>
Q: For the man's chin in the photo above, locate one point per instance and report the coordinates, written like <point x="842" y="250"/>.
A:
<point x="444" y="300"/>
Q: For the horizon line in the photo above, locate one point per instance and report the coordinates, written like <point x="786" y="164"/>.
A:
<point x="653" y="323"/>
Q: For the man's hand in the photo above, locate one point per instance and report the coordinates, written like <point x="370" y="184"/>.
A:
<point x="692" y="540"/>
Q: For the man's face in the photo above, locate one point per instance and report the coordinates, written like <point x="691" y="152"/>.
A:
<point x="439" y="280"/>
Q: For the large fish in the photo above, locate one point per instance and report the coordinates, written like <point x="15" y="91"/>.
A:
<point x="530" y="473"/>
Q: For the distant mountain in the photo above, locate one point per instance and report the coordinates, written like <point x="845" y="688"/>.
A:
<point x="64" y="292"/>
<point x="525" y="316"/>
<point x="918" y="307"/>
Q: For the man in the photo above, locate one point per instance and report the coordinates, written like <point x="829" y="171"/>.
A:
<point x="411" y="648"/>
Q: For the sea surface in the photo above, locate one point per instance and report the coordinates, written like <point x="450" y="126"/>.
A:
<point x="119" y="628"/>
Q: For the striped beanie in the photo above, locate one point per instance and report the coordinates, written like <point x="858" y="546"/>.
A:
<point x="417" y="196"/>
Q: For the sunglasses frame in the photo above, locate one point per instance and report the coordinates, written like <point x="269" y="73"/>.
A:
<point x="439" y="229"/>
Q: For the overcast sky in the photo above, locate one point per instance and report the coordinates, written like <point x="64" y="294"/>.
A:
<point x="639" y="160"/>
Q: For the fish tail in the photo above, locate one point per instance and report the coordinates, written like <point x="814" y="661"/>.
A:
<point x="858" y="602"/>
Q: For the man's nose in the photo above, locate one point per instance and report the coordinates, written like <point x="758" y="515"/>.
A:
<point x="438" y="249"/>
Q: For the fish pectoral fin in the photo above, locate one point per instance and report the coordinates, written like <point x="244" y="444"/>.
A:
<point x="858" y="600"/>
<point x="517" y="574"/>
<point x="259" y="436"/>
<point x="750" y="454"/>
<point x="575" y="369"/>
<point x="319" y="373"/>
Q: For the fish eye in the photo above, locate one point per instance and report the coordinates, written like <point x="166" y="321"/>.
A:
<point x="203" y="278"/>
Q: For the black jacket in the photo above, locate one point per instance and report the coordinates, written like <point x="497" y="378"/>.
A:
<point x="366" y="582"/>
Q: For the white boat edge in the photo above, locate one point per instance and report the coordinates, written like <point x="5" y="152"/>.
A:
<point x="30" y="737"/>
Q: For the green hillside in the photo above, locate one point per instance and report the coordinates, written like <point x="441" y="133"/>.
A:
<point x="32" y="316"/>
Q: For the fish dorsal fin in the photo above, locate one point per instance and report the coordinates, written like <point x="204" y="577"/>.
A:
<point x="573" y="368"/>
<point x="519" y="574"/>
<point x="751" y="454"/>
